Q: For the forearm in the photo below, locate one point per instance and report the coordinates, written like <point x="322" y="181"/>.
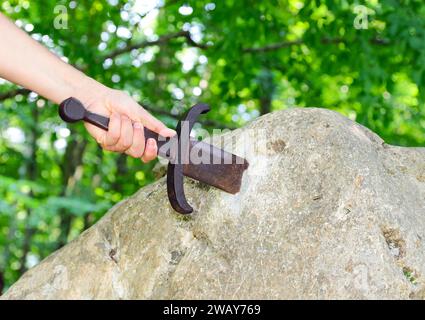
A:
<point x="26" y="62"/>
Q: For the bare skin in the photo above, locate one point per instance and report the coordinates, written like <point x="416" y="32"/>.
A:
<point x="27" y="63"/>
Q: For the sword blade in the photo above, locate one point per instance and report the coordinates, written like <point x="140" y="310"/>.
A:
<point x="215" y="167"/>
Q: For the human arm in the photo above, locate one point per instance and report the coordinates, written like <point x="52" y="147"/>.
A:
<point x="27" y="63"/>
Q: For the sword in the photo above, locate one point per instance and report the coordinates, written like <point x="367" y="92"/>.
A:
<point x="187" y="157"/>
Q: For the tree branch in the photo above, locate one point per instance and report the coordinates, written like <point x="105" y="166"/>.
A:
<point x="286" y="44"/>
<point x="193" y="43"/>
<point x="273" y="47"/>
<point x="161" y="40"/>
<point x="189" y="40"/>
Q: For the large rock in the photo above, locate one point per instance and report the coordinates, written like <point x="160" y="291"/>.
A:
<point x="327" y="210"/>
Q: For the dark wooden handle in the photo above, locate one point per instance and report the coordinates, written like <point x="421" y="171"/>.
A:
<point x="72" y="110"/>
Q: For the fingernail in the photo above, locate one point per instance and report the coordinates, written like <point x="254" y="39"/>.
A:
<point x="151" y="143"/>
<point x="138" y="125"/>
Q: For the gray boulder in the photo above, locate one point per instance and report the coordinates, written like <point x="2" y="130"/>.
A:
<point x="327" y="210"/>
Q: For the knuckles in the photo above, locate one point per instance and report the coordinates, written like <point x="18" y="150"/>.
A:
<point x="125" y="144"/>
<point x="113" y="137"/>
<point x="135" y="153"/>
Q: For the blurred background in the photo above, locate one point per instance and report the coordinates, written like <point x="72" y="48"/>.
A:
<point x="364" y="59"/>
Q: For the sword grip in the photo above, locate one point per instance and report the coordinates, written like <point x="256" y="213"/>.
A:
<point x="72" y="110"/>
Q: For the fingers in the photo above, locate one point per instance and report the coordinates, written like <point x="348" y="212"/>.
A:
<point x="127" y="137"/>
<point x="114" y="131"/>
<point x="138" y="147"/>
<point x="120" y="134"/>
<point x="151" y="151"/>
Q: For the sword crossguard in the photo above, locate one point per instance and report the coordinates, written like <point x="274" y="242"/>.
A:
<point x="175" y="187"/>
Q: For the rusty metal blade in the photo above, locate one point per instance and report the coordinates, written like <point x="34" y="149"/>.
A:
<point x="217" y="167"/>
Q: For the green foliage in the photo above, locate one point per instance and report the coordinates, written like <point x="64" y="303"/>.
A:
<point x="244" y="58"/>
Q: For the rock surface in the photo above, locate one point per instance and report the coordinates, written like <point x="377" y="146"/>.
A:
<point x="326" y="210"/>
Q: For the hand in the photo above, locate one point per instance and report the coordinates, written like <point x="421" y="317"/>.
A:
<point x="127" y="120"/>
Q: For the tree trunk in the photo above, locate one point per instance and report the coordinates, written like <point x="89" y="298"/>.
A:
<point x="31" y="174"/>
<point x="72" y="161"/>
<point x="122" y="170"/>
<point x="2" y="282"/>
<point x="265" y="105"/>
<point x="266" y="88"/>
